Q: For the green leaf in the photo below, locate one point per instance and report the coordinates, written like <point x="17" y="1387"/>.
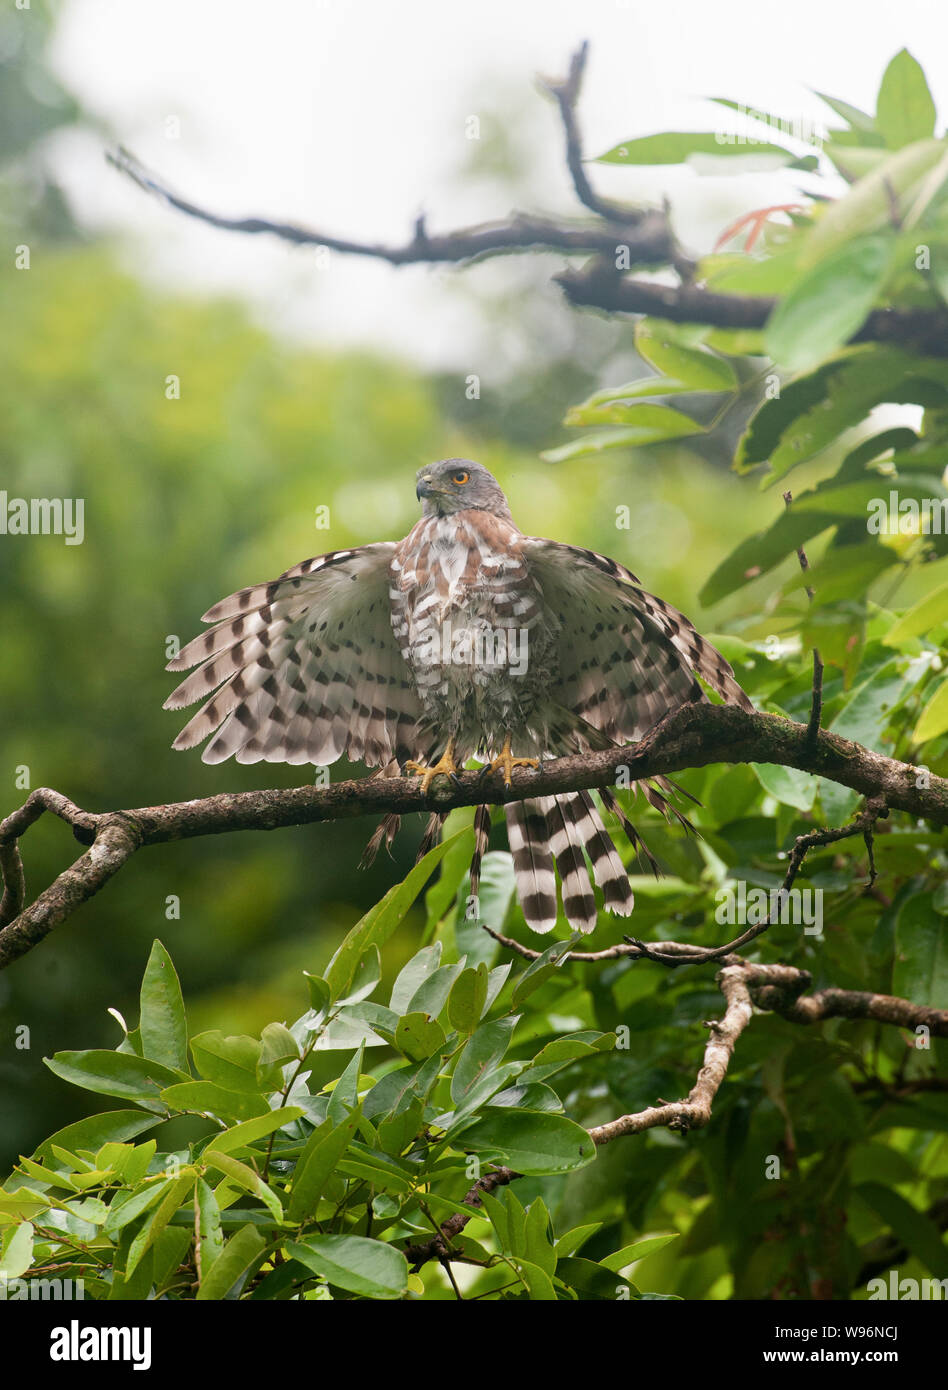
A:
<point x="114" y="1073"/>
<point x="357" y="1025"/>
<point x="931" y="612"/>
<point x="128" y="1161"/>
<point x="277" y="1045"/>
<point x="206" y="1097"/>
<point x="95" y="1130"/>
<point x="787" y="784"/>
<point x="163" y="1026"/>
<point x="239" y="1255"/>
<point x="482" y="1052"/>
<point x="380" y="921"/>
<point x="677" y="147"/>
<point x="555" y="1056"/>
<point x="545" y="965"/>
<point x="867" y="712"/>
<point x="230" y="1062"/>
<point x="636" y="1251"/>
<point x="418" y="1036"/>
<point x="368" y="972"/>
<point x="432" y="994"/>
<point x="209" y="1237"/>
<point x="316" y="1163"/>
<point x="648" y="424"/>
<point x="171" y="1200"/>
<point x="319" y="992"/>
<point x="590" y="1281"/>
<point x="854" y="161"/>
<point x="912" y="1227"/>
<point x="467" y="999"/>
<point x="494" y="897"/>
<point x="905" y="110"/>
<point x="538" y="1283"/>
<point x="844" y="573"/>
<point x="16" y="1251"/>
<point x="643" y="387"/>
<point x="571" y="1240"/>
<point x="867" y="206"/>
<point x="345" y="1094"/>
<point x="370" y="1167"/>
<point x="397" y="1131"/>
<point x="933" y="720"/>
<point x="920" y="970"/>
<point x="247" y="1133"/>
<point x="814" y="410"/>
<point x="126" y="1208"/>
<point x="244" y="1177"/>
<point x="530" y="1142"/>
<point x="361" y="1266"/>
<point x="827" y="305"/>
<point x="859" y="120"/>
<point x="413" y="974"/>
<point x="698" y="369"/>
<point x="537" y="1244"/>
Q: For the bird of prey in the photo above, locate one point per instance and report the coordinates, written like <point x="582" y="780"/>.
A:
<point x="467" y="639"/>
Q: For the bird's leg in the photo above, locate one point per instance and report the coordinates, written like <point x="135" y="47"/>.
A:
<point x="444" y="767"/>
<point x="508" y="762"/>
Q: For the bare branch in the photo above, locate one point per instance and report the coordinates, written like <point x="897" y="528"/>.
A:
<point x="693" y="736"/>
<point x="565" y="92"/>
<point x="597" y="287"/>
<point x="644" y="233"/>
<point x="647" y="237"/>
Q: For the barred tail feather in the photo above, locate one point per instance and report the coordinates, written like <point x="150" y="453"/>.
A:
<point x="481" y="837"/>
<point x="533" y="863"/>
<point x="565" y="830"/>
<point x="383" y="834"/>
<point x="432" y="835"/>
<point x="642" y="851"/>
<point x="608" y="869"/>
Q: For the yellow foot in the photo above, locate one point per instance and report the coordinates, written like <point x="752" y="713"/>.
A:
<point x="444" y="767"/>
<point x="508" y="762"/>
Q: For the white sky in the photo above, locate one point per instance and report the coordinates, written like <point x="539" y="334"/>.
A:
<point x="349" y="117"/>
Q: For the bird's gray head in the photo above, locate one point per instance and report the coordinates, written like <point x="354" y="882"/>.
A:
<point x="456" y="485"/>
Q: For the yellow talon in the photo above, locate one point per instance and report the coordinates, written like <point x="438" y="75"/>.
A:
<point x="508" y="762"/>
<point x="444" y="767"/>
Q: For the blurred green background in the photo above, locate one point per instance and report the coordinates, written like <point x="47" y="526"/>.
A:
<point x="191" y="498"/>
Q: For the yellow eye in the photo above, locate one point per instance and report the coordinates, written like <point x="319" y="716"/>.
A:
<point x="460" y="478"/>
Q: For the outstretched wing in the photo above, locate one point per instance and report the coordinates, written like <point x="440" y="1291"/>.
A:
<point x="626" y="658"/>
<point x="304" y="669"/>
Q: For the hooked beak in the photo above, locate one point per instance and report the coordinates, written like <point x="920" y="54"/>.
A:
<point x="424" y="487"/>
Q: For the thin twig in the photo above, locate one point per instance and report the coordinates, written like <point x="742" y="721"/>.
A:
<point x="816" y="702"/>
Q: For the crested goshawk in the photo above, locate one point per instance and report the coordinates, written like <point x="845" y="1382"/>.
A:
<point x="465" y="639"/>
